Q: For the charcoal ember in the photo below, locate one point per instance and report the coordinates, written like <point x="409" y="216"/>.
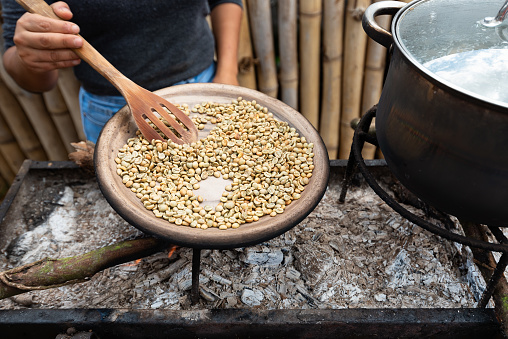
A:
<point x="263" y="258"/>
<point x="17" y="248"/>
<point x="45" y="202"/>
<point x="313" y="261"/>
<point x="252" y="297"/>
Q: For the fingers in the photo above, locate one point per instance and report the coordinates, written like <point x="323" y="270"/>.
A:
<point x="46" y="40"/>
<point x="62" y="10"/>
<point x="47" y="60"/>
<point x="34" y="23"/>
<point x="43" y="67"/>
<point x="44" y="44"/>
<point x="40" y="24"/>
<point x="47" y="51"/>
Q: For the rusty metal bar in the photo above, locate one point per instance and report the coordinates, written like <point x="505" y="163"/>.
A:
<point x="358" y="141"/>
<point x="196" y="263"/>
<point x="494" y="279"/>
<point x="253" y="323"/>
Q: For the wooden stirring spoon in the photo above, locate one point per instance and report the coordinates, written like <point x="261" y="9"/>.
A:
<point x="143" y="104"/>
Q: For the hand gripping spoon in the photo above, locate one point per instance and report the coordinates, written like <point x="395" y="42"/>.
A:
<point x="143" y="104"/>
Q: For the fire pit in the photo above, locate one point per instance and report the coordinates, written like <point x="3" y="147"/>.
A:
<point x="349" y="270"/>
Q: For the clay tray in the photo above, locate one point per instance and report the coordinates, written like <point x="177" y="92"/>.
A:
<point x="122" y="127"/>
<point x="217" y="323"/>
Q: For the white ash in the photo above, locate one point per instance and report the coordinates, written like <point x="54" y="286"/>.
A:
<point x="82" y="221"/>
<point x="359" y="254"/>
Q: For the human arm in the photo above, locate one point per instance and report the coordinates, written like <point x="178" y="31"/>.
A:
<point x="42" y="46"/>
<point x="226" y="19"/>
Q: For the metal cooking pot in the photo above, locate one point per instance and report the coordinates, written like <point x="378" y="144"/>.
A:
<point x="445" y="140"/>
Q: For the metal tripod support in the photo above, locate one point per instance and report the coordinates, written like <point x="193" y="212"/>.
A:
<point x="356" y="162"/>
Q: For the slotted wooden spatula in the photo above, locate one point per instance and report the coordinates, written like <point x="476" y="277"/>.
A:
<point x="143" y="104"/>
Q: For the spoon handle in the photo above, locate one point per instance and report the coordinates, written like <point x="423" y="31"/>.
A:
<point x="498" y="19"/>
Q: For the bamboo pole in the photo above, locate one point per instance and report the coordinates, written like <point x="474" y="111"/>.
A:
<point x="50" y="273"/>
<point x="333" y="23"/>
<point x="9" y="148"/>
<point x="36" y="111"/>
<point x="69" y="87"/>
<point x="5" y="171"/>
<point x="61" y="117"/>
<point x="17" y="121"/>
<point x="262" y="33"/>
<point x="288" y="51"/>
<point x="246" y="62"/>
<point x="355" y="45"/>
<point x="373" y="78"/>
<point x="310" y="55"/>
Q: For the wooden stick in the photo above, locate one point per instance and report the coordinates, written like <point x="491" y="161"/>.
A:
<point x="50" y="273"/>
<point x="69" y="87"/>
<point x="246" y="61"/>
<point x="17" y="121"/>
<point x="288" y="51"/>
<point x="373" y="78"/>
<point x="9" y="148"/>
<point x="36" y="111"/>
<point x="310" y="54"/>
<point x="61" y="117"/>
<point x="355" y="44"/>
<point x="333" y="22"/>
<point x="262" y="33"/>
<point x="83" y="155"/>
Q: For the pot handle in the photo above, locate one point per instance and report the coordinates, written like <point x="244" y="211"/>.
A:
<point x="371" y="27"/>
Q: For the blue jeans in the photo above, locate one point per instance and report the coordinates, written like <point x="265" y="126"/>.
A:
<point x="96" y="110"/>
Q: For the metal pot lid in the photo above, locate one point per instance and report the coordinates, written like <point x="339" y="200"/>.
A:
<point x="450" y="39"/>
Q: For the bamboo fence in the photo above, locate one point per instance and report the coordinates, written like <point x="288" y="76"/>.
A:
<point x="262" y="33"/>
<point x="311" y="54"/>
<point x="246" y="61"/>
<point x="310" y="57"/>
<point x="374" y="72"/>
<point x="332" y="55"/>
<point x="288" y="51"/>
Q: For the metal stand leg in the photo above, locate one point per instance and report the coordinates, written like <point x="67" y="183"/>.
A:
<point x="196" y="262"/>
<point x="498" y="271"/>
<point x="494" y="279"/>
<point x="356" y="162"/>
<point x="362" y="131"/>
<point x="351" y="167"/>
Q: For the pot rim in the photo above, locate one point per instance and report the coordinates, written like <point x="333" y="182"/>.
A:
<point x="429" y="75"/>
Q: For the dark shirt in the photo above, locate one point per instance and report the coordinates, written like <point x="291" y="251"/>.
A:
<point x="155" y="43"/>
